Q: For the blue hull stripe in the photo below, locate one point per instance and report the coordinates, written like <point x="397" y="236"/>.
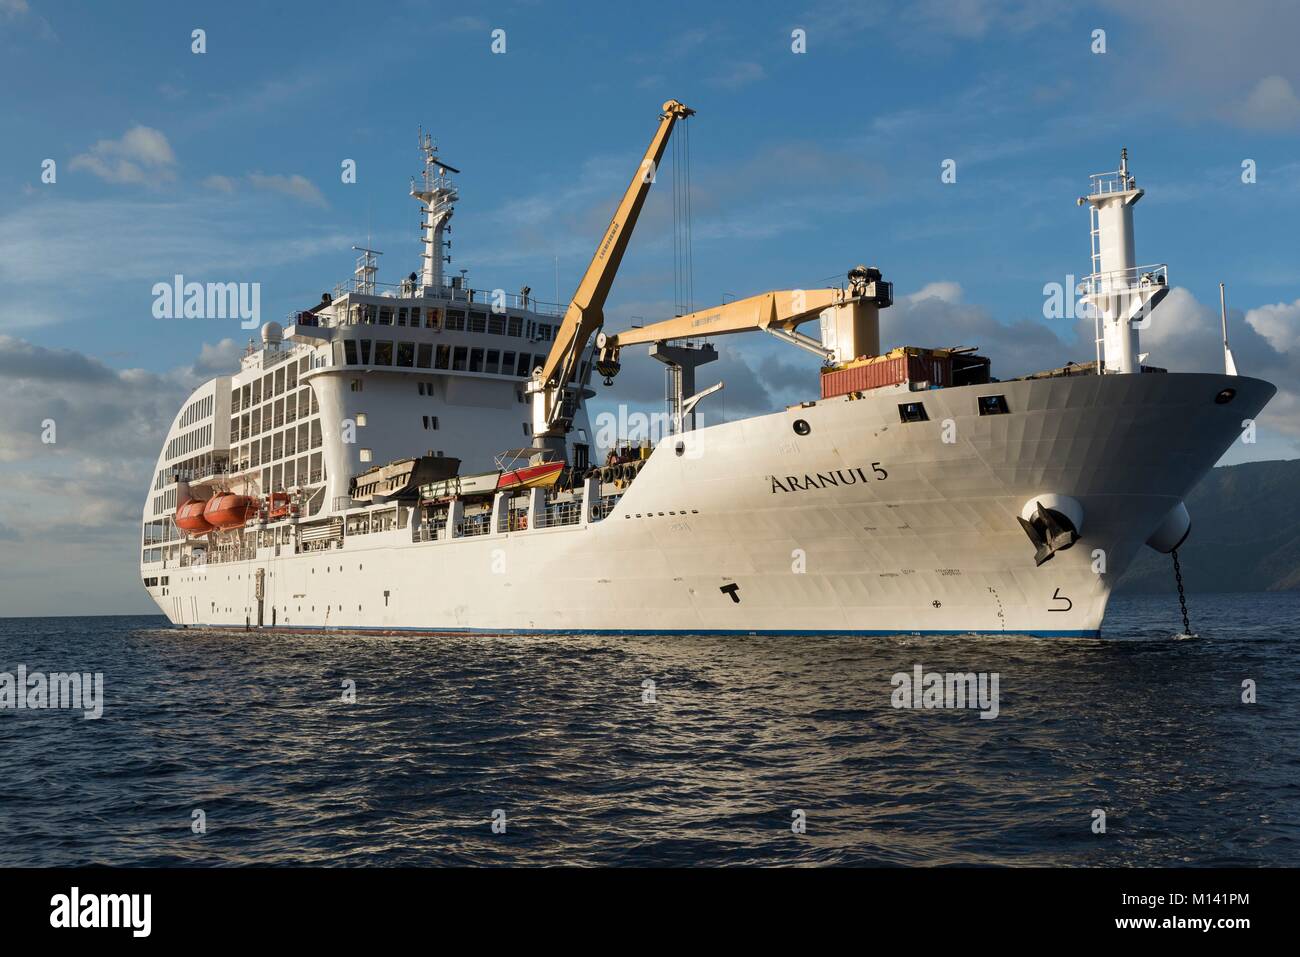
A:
<point x="652" y="632"/>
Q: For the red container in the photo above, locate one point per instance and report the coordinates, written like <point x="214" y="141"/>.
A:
<point x="892" y="371"/>
<point x="861" y="378"/>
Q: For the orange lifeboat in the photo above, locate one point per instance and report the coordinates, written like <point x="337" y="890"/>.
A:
<point x="227" y="510"/>
<point x="189" y="518"/>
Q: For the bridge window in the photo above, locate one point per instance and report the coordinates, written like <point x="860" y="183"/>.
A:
<point x="350" y="351"/>
<point x="492" y="362"/>
<point x="383" y="353"/>
<point x="443" y="360"/>
<point x="514" y="326"/>
<point x="406" y="354"/>
<point x="458" y="359"/>
<point x="993" y="405"/>
<point x="912" y="412"/>
<point x="424" y="358"/>
<point x="476" y="360"/>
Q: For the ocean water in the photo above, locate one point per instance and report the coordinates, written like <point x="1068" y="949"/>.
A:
<point x="742" y="734"/>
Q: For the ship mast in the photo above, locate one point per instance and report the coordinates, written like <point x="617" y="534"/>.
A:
<point x="439" y="196"/>
<point x="1120" y="292"/>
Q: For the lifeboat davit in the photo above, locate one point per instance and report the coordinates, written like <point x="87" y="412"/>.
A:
<point x="227" y="510"/>
<point x="189" y="518"/>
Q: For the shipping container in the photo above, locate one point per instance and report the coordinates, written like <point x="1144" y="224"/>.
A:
<point x="901" y="365"/>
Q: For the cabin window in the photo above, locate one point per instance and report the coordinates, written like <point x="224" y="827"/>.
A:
<point x="492" y="361"/>
<point x="383" y="353"/>
<point x="458" y="359"/>
<point x="365" y="351"/>
<point x="420" y="387"/>
<point x="507" y="363"/>
<point x="514" y="326"/>
<point x="406" y="354"/>
<point x="361" y="419"/>
<point x="415" y="316"/>
<point x="291" y="381"/>
<point x="478" y="322"/>
<point x="401" y="316"/>
<point x="350" y="351"/>
<point x="476" y="360"/>
<point x="385" y="315"/>
<point x="455" y="320"/>
<point x="279" y="381"/>
<point x="912" y="412"/>
<point x="424" y="357"/>
<point x="443" y="360"/>
<point x="366" y="455"/>
<point x="430" y="421"/>
<point x="522" y="368"/>
<point x="431" y="319"/>
<point x="993" y="405"/>
<point x="496" y="325"/>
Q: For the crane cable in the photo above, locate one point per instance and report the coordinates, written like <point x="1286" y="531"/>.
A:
<point x="683" y="252"/>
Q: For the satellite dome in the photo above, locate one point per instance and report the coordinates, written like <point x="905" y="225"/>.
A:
<point x="272" y="334"/>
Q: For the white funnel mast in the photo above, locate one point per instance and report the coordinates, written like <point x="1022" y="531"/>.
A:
<point x="438" y="195"/>
<point x="1121" y="293"/>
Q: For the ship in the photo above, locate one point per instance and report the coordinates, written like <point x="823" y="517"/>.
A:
<point x="419" y="458"/>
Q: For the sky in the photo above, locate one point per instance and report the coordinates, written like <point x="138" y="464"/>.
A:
<point x="227" y="165"/>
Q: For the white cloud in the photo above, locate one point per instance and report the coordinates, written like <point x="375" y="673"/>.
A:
<point x="1278" y="323"/>
<point x="737" y="75"/>
<point x="295" y="185"/>
<point x="142" y="155"/>
<point x="14" y="8"/>
<point x="945" y="291"/>
<point x="1271" y="105"/>
<point x="222" y="184"/>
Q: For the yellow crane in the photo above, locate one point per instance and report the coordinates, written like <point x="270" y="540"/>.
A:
<point x="552" y="415"/>
<point x="851" y="320"/>
<point x="850" y="316"/>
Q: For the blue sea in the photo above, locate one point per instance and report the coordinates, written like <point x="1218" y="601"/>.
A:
<point x="743" y="751"/>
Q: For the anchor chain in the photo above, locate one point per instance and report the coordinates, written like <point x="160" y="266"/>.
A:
<point x="1182" y="597"/>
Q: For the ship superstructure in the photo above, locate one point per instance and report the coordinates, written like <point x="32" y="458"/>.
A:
<point x="418" y="457"/>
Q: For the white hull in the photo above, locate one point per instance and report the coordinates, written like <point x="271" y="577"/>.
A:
<point x="932" y="548"/>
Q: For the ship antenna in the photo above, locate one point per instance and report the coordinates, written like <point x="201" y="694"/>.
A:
<point x="438" y="195"/>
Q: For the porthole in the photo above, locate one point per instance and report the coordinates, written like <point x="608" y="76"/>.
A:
<point x="801" y="427"/>
<point x="681" y="448"/>
<point x="1226" y="396"/>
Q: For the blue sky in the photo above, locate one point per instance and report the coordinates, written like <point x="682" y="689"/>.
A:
<point x="225" y="166"/>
